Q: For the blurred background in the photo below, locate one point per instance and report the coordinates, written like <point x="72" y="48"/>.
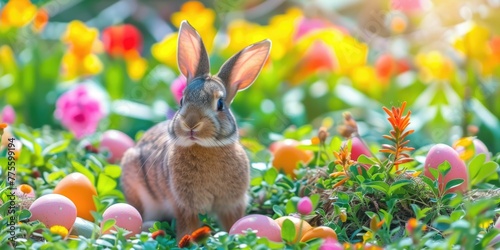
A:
<point x="88" y="66"/>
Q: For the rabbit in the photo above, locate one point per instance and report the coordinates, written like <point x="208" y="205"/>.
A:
<point x="194" y="164"/>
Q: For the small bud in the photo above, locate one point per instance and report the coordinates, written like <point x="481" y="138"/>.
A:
<point x="323" y="135"/>
<point x="305" y="206"/>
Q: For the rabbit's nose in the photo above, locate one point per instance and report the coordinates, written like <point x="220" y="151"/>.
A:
<point x="192" y="121"/>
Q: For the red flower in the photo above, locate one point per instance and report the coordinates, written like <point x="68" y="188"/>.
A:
<point x="185" y="241"/>
<point x="122" y="41"/>
<point x="157" y="233"/>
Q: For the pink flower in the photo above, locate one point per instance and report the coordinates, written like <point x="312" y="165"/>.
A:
<point x="178" y="86"/>
<point x="331" y="244"/>
<point x="8" y="115"/>
<point x="80" y="111"/>
<point x="305" y="206"/>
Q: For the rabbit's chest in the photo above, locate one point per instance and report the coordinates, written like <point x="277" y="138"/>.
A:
<point x="205" y="182"/>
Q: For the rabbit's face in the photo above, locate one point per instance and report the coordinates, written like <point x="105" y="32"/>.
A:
<point x="204" y="117"/>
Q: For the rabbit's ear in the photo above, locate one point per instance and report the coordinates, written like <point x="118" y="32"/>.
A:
<point x="241" y="70"/>
<point x="192" y="56"/>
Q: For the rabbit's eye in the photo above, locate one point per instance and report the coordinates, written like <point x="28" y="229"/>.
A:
<point x="181" y="101"/>
<point x="220" y="105"/>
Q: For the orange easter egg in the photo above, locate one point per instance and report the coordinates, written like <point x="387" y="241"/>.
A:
<point x="287" y="156"/>
<point x="322" y="232"/>
<point x="298" y="223"/>
<point x="78" y="188"/>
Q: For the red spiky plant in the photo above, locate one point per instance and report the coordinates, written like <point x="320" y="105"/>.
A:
<point x="399" y="151"/>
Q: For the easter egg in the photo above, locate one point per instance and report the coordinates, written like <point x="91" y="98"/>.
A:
<point x="322" y="232"/>
<point x="82" y="227"/>
<point x="52" y="210"/>
<point x="126" y="216"/>
<point x="358" y="148"/>
<point x="263" y="225"/>
<point x="481" y="148"/>
<point x="78" y="188"/>
<point x="287" y="156"/>
<point x="297" y="223"/>
<point x="115" y="143"/>
<point x="440" y="153"/>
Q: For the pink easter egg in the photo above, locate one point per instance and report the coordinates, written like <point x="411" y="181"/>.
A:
<point x="115" y="143"/>
<point x="263" y="225"/>
<point x="440" y="153"/>
<point x="54" y="209"/>
<point x="126" y="216"/>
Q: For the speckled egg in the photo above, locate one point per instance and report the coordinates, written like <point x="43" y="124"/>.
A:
<point x="78" y="188"/>
<point x="126" y="216"/>
<point x="115" y="143"/>
<point x="263" y="225"/>
<point x="440" y="153"/>
<point x="303" y="226"/>
<point x="53" y="209"/>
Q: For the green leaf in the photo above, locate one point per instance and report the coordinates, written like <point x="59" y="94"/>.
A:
<point x="108" y="224"/>
<point x="277" y="210"/>
<point x="270" y="176"/>
<point x="363" y="159"/>
<point x="434" y="173"/>
<point x="291" y="205"/>
<point x="56" y="147"/>
<point x="397" y="185"/>
<point x="379" y="185"/>
<point x="114" y="171"/>
<point x="431" y="184"/>
<point x="288" y="231"/>
<point x="105" y="184"/>
<point x="55" y="175"/>
<point x="82" y="169"/>
<point x="314" y="200"/>
<point x="475" y="165"/>
<point x="24" y="215"/>
<point x="453" y="183"/>
<point x="444" y="168"/>
<point x="487" y="170"/>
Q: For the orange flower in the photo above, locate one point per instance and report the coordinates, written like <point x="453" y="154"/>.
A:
<point x="154" y="235"/>
<point x="26" y="189"/>
<point x="411" y="225"/>
<point x="200" y="234"/>
<point x="41" y="19"/>
<point x="185" y="241"/>
<point x="343" y="158"/>
<point x="398" y="135"/>
<point x="375" y="223"/>
<point x="17" y="13"/>
<point x="3" y="125"/>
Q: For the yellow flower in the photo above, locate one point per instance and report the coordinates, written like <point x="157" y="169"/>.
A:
<point x="17" y="13"/>
<point x="242" y="33"/>
<point x="465" y="147"/>
<point x="365" y="78"/>
<point x="434" y="66"/>
<point x="201" y="18"/>
<point x="485" y="224"/>
<point x="166" y="51"/>
<point x="136" y="67"/>
<point x="7" y="60"/>
<point x="73" y="65"/>
<point x="474" y="44"/>
<point x="280" y="30"/>
<point x="367" y="236"/>
<point x="59" y="230"/>
<point x="81" y="39"/>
